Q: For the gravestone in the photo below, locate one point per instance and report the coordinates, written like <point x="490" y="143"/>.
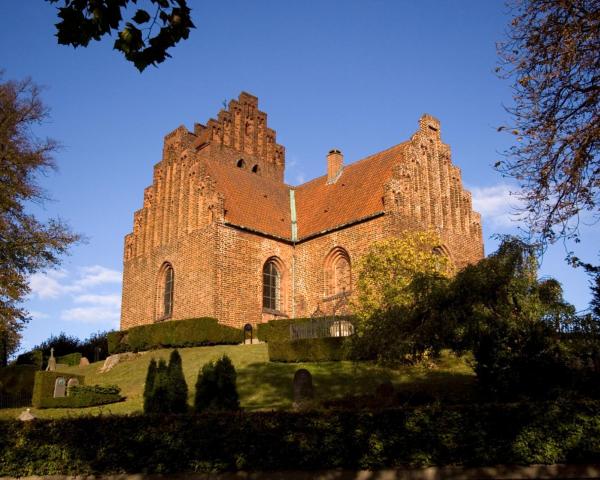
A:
<point x="26" y="416"/>
<point x="60" y="387"/>
<point x="248" y="334"/>
<point x="304" y="391"/>
<point x="72" y="383"/>
<point x="84" y="362"/>
<point x="51" y="362"/>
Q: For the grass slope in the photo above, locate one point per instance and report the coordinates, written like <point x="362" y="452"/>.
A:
<point x="263" y="385"/>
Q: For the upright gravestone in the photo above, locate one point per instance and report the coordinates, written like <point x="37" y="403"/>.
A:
<point x="84" y="362"/>
<point x="304" y="391"/>
<point x="60" y="387"/>
<point x="71" y="383"/>
<point x="51" y="362"/>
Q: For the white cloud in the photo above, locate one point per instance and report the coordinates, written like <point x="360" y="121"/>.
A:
<point x="497" y="204"/>
<point x="92" y="314"/>
<point x="110" y="300"/>
<point x="56" y="283"/>
<point x="97" y="275"/>
<point x="37" y="315"/>
<point x="48" y="284"/>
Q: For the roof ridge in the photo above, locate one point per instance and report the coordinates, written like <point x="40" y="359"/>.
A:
<point x="351" y="165"/>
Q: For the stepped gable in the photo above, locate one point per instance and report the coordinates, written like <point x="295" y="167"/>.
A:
<point x="356" y="195"/>
<point x="251" y="201"/>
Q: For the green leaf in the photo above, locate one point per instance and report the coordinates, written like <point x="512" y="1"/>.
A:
<point x="141" y="16"/>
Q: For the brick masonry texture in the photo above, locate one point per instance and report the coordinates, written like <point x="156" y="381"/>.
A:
<point x="218" y="210"/>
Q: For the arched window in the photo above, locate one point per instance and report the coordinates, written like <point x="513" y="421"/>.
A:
<point x="271" y="286"/>
<point x="255" y="169"/>
<point x="167" y="297"/>
<point x="241" y="163"/>
<point x="338" y="274"/>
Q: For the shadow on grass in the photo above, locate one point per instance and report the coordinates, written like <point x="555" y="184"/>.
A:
<point x="269" y="385"/>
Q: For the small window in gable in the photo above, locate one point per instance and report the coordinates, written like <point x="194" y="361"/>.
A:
<point x="241" y="163"/>
<point x="255" y="169"/>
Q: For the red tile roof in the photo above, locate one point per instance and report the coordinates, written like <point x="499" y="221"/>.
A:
<point x="263" y="205"/>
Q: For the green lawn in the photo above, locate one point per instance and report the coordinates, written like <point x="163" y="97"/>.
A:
<point x="263" y="385"/>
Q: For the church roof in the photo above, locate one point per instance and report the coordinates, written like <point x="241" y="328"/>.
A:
<point x="260" y="204"/>
<point x="357" y="194"/>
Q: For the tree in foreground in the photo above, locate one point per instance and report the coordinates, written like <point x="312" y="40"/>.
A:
<point x="552" y="58"/>
<point x="82" y="21"/>
<point x="216" y="387"/>
<point x="149" y="387"/>
<point x="397" y="279"/>
<point x="27" y="245"/>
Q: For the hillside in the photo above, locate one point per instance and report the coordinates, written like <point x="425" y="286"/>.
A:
<point x="265" y="385"/>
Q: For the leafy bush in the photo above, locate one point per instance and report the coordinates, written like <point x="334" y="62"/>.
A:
<point x="165" y="390"/>
<point x="17" y="379"/>
<point x="216" y="387"/>
<point x="469" y="435"/>
<point x="33" y="357"/>
<point x="82" y="396"/>
<point x="71" y="359"/>
<point x="96" y="342"/>
<point x="174" y="333"/>
<point x="308" y="350"/>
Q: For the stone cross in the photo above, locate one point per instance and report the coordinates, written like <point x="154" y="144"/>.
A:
<point x="51" y="362"/>
<point x="304" y="391"/>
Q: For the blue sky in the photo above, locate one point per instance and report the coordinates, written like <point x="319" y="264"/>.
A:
<point x="355" y="75"/>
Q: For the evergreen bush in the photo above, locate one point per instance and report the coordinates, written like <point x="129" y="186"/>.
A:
<point x="216" y="387"/>
<point x="178" y="390"/>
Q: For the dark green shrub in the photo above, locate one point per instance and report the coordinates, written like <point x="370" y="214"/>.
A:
<point x="174" y="333"/>
<point x="33" y="357"/>
<point x="308" y="350"/>
<point x="17" y="379"/>
<point x="82" y="396"/>
<point x="216" y="387"/>
<point x="71" y="359"/>
<point x="95" y="344"/>
<point x="178" y="390"/>
<point x="566" y="432"/>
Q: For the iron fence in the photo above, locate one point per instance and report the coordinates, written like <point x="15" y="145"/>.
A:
<point x="15" y="400"/>
<point x="322" y="328"/>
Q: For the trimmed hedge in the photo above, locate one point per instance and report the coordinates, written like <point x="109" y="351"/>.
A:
<point x="82" y="396"/>
<point x="469" y="435"/>
<point x="192" y="332"/>
<point x="72" y="359"/>
<point x="43" y="388"/>
<point x="308" y="350"/>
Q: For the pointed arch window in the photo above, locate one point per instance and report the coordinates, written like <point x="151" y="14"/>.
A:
<point x="271" y="286"/>
<point x="338" y="273"/>
<point x="168" y="290"/>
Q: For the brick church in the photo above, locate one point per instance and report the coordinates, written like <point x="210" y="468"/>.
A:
<point x="221" y="235"/>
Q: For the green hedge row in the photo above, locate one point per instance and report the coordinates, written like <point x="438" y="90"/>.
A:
<point x="174" y="333"/>
<point x="71" y="359"/>
<point x="86" y="396"/>
<point x="308" y="350"/>
<point x="470" y="435"/>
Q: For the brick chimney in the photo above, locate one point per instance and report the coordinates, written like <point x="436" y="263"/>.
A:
<point x="335" y="164"/>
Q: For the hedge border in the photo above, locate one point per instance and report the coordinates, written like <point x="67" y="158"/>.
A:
<point x="329" y="349"/>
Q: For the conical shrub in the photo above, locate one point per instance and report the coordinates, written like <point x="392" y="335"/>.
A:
<point x="178" y="389"/>
<point x="216" y="387"/>
<point x="149" y="387"/>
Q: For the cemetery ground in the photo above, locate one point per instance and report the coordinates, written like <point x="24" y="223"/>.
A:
<point x="264" y="385"/>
